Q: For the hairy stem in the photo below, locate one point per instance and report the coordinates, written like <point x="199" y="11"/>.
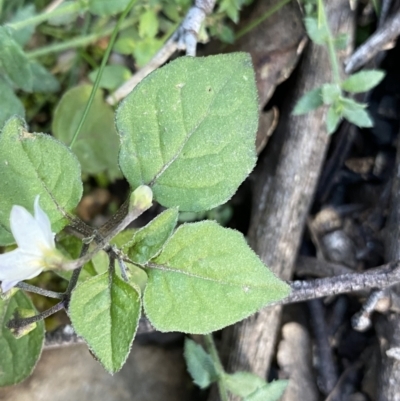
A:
<point x="212" y="350"/>
<point x="40" y="291"/>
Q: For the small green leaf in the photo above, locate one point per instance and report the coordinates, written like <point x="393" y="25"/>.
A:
<point x="13" y="61"/>
<point x="18" y="356"/>
<point x="107" y="7"/>
<point x="188" y="130"/>
<point x="31" y="165"/>
<point x="355" y="113"/>
<point x="22" y="36"/>
<point x="317" y="32"/>
<point x="66" y="17"/>
<point x="43" y="80"/>
<point x="113" y="76"/>
<point x="105" y="312"/>
<point x="9" y="103"/>
<point x="243" y="383"/>
<point x="206" y="278"/>
<point x="145" y="49"/>
<point x="308" y="102"/>
<point x="199" y="364"/>
<point x="333" y="119"/>
<point x="148" y="24"/>
<point x="149" y="240"/>
<point x="97" y="144"/>
<point x="330" y="93"/>
<point x="271" y="392"/>
<point x="363" y="81"/>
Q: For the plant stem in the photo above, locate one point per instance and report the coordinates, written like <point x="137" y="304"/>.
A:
<point x="330" y="43"/>
<point x="71" y="8"/>
<point x="17" y="323"/>
<point x="101" y="69"/>
<point x="80" y="41"/>
<point x="212" y="350"/>
<point x="261" y="18"/>
<point x="40" y="291"/>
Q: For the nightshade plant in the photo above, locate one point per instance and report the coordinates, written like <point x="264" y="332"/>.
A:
<point x="187" y="135"/>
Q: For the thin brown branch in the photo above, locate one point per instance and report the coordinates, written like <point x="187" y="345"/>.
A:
<point x="377" y="42"/>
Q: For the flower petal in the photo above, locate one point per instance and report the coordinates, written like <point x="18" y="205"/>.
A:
<point x="7" y="285"/>
<point x="17" y="266"/>
<point x="44" y="223"/>
<point x="27" y="232"/>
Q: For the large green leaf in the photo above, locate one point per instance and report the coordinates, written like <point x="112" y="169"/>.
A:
<point x="105" y="312"/>
<point x="31" y="165"/>
<point x="9" y="103"/>
<point x="206" y="278"/>
<point x="18" y="356"/>
<point x="188" y="130"/>
<point x="13" y="61"/>
<point x="149" y="240"/>
<point x="97" y="144"/>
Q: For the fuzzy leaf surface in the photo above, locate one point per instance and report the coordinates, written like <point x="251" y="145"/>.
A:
<point x="199" y="364"/>
<point x="13" y="61"/>
<point x="149" y="240"/>
<point x="18" y="356"/>
<point x="363" y="81"/>
<point x="36" y="164"/>
<point x="308" y="102"/>
<point x="97" y="144"/>
<point x="270" y="392"/>
<point x="107" y="7"/>
<point x="105" y="312"/>
<point x="243" y="383"/>
<point x="188" y="130"/>
<point x="207" y="278"/>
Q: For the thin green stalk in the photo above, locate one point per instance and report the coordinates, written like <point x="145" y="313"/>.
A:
<point x="260" y="19"/>
<point x="100" y="73"/>
<point x="330" y="43"/>
<point x="38" y="19"/>
<point x="80" y="41"/>
<point x="212" y="350"/>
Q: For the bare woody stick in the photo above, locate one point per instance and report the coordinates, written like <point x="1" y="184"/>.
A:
<point x="185" y="38"/>
<point x="389" y="31"/>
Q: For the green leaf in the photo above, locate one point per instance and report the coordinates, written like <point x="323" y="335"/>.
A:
<point x="355" y="113"/>
<point x="199" y="364"/>
<point x="341" y="41"/>
<point x="13" y="61"/>
<point x="333" y="119"/>
<point x="308" y="102"/>
<point x="317" y="32"/>
<point x="113" y="76"/>
<point x="22" y="36"/>
<point x="145" y="49"/>
<point x="43" y="80"/>
<point x="107" y="7"/>
<point x="67" y="17"/>
<point x="97" y="144"/>
<point x="18" y="356"/>
<point x="330" y="93"/>
<point x="148" y="24"/>
<point x="206" y="278"/>
<point x="188" y="130"/>
<point x="149" y="240"/>
<point x="36" y="164"/>
<point x="363" y="81"/>
<point x="243" y="383"/>
<point x="271" y="392"/>
<point x="105" y="312"/>
<point x="9" y="103"/>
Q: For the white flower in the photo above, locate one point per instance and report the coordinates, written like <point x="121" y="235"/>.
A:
<point x="36" y="248"/>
